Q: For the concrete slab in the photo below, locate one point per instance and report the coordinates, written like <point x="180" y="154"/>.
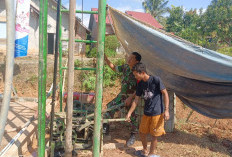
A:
<point x="19" y="113"/>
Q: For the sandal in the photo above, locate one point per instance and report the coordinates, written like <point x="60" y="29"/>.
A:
<point x="131" y="140"/>
<point x="140" y="153"/>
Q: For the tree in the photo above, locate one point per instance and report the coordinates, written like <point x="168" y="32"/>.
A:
<point x="157" y="8"/>
<point x="175" y="20"/>
<point x="187" y="25"/>
<point x="211" y="29"/>
<point x="218" y="21"/>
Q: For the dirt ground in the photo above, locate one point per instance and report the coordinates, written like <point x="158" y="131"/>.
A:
<point x="199" y="136"/>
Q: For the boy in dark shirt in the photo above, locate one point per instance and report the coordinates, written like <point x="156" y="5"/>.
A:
<point x="152" y="121"/>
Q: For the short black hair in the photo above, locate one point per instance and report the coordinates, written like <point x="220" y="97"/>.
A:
<point x="137" y="56"/>
<point x="139" y="67"/>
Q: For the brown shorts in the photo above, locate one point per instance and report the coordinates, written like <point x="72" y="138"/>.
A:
<point x="153" y="125"/>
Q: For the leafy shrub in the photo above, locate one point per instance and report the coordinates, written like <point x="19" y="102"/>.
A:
<point x="89" y="83"/>
<point x="109" y="77"/>
<point x="92" y="53"/>
<point x="110" y="52"/>
<point x="78" y="63"/>
<point x="119" y="61"/>
<point x="88" y="78"/>
<point x="111" y="44"/>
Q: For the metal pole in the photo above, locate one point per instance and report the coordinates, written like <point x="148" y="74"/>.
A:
<point x="55" y="71"/>
<point x="60" y="60"/>
<point x="69" y="113"/>
<point x="10" y="12"/>
<point x="52" y="149"/>
<point x="99" y="82"/>
<point x="42" y="76"/>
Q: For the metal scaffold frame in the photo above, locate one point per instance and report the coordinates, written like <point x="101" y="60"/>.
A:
<point x="42" y="74"/>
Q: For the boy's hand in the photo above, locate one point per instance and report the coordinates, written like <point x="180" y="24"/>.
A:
<point x="166" y="115"/>
<point x="128" y="117"/>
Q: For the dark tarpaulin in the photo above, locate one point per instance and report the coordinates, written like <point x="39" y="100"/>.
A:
<point x="201" y="78"/>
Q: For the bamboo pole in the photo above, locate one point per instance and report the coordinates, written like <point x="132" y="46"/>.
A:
<point x="69" y="113"/>
<point x="9" y="65"/>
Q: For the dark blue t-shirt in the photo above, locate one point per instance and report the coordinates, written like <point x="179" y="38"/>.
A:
<point x="151" y="90"/>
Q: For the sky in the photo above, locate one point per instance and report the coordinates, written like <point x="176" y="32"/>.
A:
<point x="132" y="5"/>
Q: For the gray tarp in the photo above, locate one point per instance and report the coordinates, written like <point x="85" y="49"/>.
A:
<point x="201" y="78"/>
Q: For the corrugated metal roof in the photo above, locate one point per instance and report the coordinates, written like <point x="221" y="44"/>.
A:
<point x="145" y="17"/>
<point x="108" y="18"/>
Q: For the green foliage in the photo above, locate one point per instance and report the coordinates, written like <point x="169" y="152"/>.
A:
<point x="157" y="8"/>
<point x="109" y="76"/>
<point x="92" y="53"/>
<point x="119" y="61"/>
<point x="87" y="48"/>
<point x="211" y="29"/>
<point x="89" y="83"/>
<point x="78" y="63"/>
<point x="226" y="51"/>
<point x="175" y="20"/>
<point x="88" y="79"/>
<point x="111" y="44"/>
<point x="218" y="20"/>
<point x="110" y="52"/>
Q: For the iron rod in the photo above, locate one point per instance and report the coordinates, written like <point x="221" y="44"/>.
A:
<point x="60" y="61"/>
<point x="104" y="121"/>
<point x="83" y="41"/>
<point x="80" y="11"/>
<point x="55" y="71"/>
<point x="104" y="111"/>
<point x="61" y="114"/>
<point x="77" y="68"/>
